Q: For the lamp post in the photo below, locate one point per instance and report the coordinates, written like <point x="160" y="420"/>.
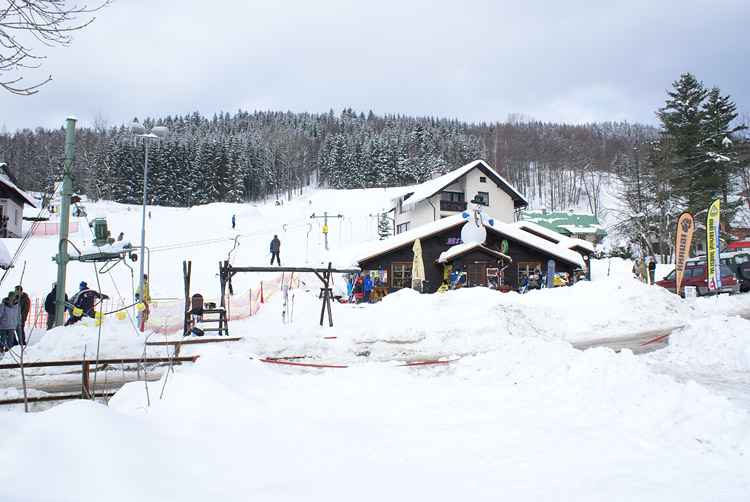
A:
<point x="156" y="133"/>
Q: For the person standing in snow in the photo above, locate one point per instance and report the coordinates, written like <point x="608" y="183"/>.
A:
<point x="275" y="250"/>
<point x="84" y="300"/>
<point x="9" y="315"/>
<point x="651" y="270"/>
<point x="146" y="299"/>
<point x="358" y="290"/>
<point x="233" y="221"/>
<point x="367" y="286"/>
<point x="643" y="271"/>
<point x="49" y="306"/>
<point x="24" y="303"/>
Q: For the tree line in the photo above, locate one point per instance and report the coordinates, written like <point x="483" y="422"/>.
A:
<point x="255" y="156"/>
<point x="698" y="154"/>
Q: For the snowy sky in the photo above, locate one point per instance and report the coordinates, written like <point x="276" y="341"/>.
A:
<point x="476" y="60"/>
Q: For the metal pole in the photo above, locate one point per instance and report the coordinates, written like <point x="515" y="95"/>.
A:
<point x="143" y="233"/>
<point x="67" y="192"/>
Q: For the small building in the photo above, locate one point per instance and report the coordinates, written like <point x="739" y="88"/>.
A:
<point x="448" y="195"/>
<point x="12" y="200"/>
<point x="508" y="252"/>
<point x="575" y="225"/>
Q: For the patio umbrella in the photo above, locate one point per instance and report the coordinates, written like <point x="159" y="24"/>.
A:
<point x="417" y="267"/>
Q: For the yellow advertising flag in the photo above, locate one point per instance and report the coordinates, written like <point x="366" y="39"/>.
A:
<point x="683" y="238"/>
<point x="712" y="246"/>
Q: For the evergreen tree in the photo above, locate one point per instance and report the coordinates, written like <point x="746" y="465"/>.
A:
<point x="683" y="120"/>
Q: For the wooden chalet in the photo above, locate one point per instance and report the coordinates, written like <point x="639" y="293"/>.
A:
<point x="508" y="252"/>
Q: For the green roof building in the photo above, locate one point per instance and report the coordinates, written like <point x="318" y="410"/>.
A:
<point x="577" y="226"/>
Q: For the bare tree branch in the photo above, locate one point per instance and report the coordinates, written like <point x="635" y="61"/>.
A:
<point x="49" y="22"/>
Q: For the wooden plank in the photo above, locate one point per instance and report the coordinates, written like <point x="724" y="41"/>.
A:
<point x="56" y="397"/>
<point x="80" y="362"/>
<point x="193" y="341"/>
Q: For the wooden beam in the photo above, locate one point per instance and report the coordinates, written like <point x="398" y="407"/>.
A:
<point x="100" y="362"/>
<point x="234" y="270"/>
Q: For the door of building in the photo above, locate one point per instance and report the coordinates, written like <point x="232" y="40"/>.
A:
<point x="475" y="274"/>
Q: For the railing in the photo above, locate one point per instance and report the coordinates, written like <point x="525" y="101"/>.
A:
<point x="448" y="205"/>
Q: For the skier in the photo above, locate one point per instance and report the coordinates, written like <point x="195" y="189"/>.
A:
<point x="275" y="249"/>
<point x="84" y="300"/>
<point x="233" y="221"/>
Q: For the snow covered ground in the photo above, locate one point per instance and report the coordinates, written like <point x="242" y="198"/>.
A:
<point x="517" y="413"/>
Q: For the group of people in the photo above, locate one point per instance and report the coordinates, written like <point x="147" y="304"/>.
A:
<point x="645" y="270"/>
<point x="361" y="290"/>
<point x="14" y="310"/>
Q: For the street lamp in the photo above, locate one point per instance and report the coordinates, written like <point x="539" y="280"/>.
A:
<point x="156" y="133"/>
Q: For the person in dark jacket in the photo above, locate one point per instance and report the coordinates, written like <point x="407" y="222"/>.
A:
<point x="358" y="290"/>
<point x="49" y="306"/>
<point x="24" y="303"/>
<point x="84" y="300"/>
<point x="651" y="270"/>
<point x="275" y="249"/>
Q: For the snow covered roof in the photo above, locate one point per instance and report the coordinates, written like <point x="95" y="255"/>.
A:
<point x="374" y="248"/>
<point x="562" y="250"/>
<point x="430" y="188"/>
<point x="7" y="180"/>
<point x="460" y="249"/>
<point x="554" y="249"/>
<point x="545" y="232"/>
<point x="566" y="222"/>
<point x="107" y="251"/>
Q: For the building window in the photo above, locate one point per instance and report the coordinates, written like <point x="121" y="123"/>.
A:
<point x="401" y="275"/>
<point x="452" y="196"/>
<point x="527" y="268"/>
<point x="484" y="197"/>
<point x="403" y="227"/>
<point x="482" y="179"/>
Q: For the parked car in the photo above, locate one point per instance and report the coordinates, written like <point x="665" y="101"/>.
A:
<point x="737" y="261"/>
<point x="697" y="275"/>
<point x="738" y="246"/>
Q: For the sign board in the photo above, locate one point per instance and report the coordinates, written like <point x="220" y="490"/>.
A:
<point x="690" y="292"/>
<point x="325" y="229"/>
<point x="493" y="272"/>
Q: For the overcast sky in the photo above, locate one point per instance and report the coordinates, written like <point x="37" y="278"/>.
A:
<point x="573" y="61"/>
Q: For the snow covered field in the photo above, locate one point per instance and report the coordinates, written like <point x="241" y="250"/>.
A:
<point x="518" y="414"/>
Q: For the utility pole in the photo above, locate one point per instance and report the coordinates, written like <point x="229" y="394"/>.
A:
<point x="325" y="224"/>
<point x="62" y="257"/>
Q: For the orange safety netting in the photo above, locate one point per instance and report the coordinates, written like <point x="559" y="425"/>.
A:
<point x="169" y="316"/>
<point x="52" y="228"/>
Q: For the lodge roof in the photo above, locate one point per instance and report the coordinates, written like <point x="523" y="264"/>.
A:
<point x="559" y="250"/>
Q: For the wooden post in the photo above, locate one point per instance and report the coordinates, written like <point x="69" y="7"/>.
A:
<point x="86" y="391"/>
<point x="326" y="297"/>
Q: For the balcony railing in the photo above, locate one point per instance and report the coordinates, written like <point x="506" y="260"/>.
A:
<point x="447" y="205"/>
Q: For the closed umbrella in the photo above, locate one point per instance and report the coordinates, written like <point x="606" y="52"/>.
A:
<point x="417" y="267"/>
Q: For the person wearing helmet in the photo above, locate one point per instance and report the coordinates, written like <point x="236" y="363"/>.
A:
<point x="84" y="300"/>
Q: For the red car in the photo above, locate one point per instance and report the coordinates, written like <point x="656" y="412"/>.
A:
<point x="697" y="275"/>
<point x="737" y="246"/>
